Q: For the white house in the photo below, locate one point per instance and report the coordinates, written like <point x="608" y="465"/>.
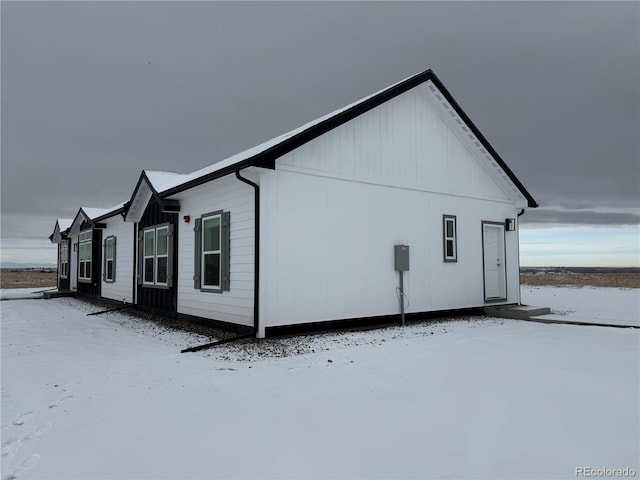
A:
<point x="95" y="253"/>
<point x="302" y="229"/>
<point x="60" y="237"/>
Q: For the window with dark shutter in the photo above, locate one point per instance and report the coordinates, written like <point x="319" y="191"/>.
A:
<point x="212" y="248"/>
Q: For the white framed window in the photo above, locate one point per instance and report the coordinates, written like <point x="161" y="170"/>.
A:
<point x="156" y="255"/>
<point x="211" y="233"/>
<point x="64" y="259"/>
<point x="212" y="245"/>
<point x="109" y="268"/>
<point x="450" y="238"/>
<point x="84" y="255"/>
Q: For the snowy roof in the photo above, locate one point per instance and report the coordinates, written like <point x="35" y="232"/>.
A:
<point x="265" y="154"/>
<point x="165" y="181"/>
<point x="61" y="226"/>
<point x="92" y="214"/>
<point x="95" y="213"/>
<point x="161" y="181"/>
<point x="64" y="223"/>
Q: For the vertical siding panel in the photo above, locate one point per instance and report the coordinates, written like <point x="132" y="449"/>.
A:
<point x="160" y="300"/>
<point x="404" y="142"/>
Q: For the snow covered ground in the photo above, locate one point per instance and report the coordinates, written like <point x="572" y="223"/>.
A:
<point x="617" y="306"/>
<point x="110" y="397"/>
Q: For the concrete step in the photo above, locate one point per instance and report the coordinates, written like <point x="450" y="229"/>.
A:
<point x="520" y="312"/>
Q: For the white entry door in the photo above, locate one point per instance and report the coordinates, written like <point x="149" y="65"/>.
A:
<point x="495" y="285"/>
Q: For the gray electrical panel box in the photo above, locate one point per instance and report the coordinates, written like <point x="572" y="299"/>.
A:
<point x="401" y="256"/>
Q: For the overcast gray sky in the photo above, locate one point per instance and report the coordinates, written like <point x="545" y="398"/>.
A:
<point x="94" y="92"/>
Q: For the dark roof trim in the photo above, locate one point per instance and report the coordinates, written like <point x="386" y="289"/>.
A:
<point x="143" y="177"/>
<point x="485" y="143"/>
<point x="267" y="158"/>
<point x="259" y="160"/>
<point x="109" y="215"/>
<point x="154" y="194"/>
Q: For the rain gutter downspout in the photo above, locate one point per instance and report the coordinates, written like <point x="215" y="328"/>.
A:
<point x="256" y="253"/>
<point x="518" y="232"/>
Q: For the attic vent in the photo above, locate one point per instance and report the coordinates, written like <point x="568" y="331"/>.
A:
<point x="476" y="143"/>
<point x="459" y="121"/>
<point x="452" y="113"/>
<point x="470" y="136"/>
<point x="483" y="151"/>
<point x="465" y="129"/>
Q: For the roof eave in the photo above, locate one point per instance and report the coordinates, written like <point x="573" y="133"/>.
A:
<point x="267" y="158"/>
<point x="262" y="159"/>
<point x="108" y="215"/>
<point x="127" y="206"/>
<point x="531" y="202"/>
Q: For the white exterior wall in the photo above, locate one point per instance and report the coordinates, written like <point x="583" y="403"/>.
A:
<point x="334" y="208"/>
<point x="236" y="305"/>
<point x="122" y="288"/>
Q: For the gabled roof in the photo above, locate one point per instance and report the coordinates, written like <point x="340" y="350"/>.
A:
<point x="94" y="215"/>
<point x="163" y="184"/>
<point x="61" y="227"/>
<point x="150" y="184"/>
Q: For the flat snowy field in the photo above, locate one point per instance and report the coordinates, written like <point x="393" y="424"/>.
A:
<point x="112" y="397"/>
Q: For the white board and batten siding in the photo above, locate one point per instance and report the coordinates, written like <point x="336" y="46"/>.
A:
<point x="334" y="208"/>
<point x="121" y="288"/>
<point x="233" y="196"/>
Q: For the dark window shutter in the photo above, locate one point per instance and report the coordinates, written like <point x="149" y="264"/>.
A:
<point x="140" y="255"/>
<point x="197" y="255"/>
<point x="170" y="256"/>
<point x="113" y="279"/>
<point x="225" y="259"/>
<point x="104" y="260"/>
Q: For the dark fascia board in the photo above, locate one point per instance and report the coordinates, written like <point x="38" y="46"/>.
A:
<point x="260" y="160"/>
<point x="80" y="212"/>
<point x="62" y="233"/>
<point x="267" y="158"/>
<point x="143" y="178"/>
<point x="108" y="215"/>
<point x="485" y="143"/>
<point x="94" y="221"/>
